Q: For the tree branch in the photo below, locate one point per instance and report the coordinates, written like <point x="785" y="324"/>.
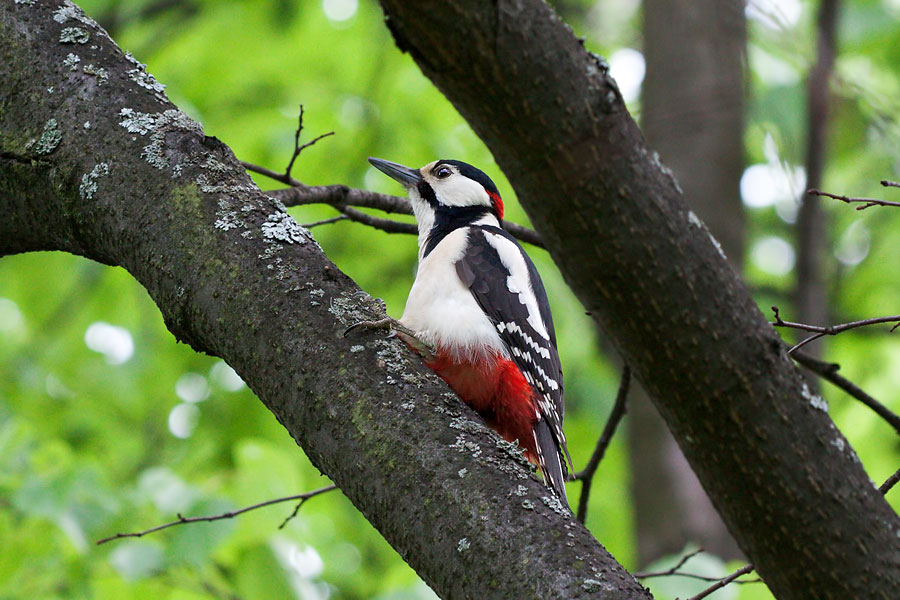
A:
<point x="821" y="331"/>
<point x="866" y="202"/>
<point x="829" y="372"/>
<point x="724" y="581"/>
<point x="226" y="515"/>
<point x="587" y="475"/>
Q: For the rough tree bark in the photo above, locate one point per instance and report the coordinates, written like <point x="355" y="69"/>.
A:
<point x="698" y="131"/>
<point x="787" y="483"/>
<point x="94" y="160"/>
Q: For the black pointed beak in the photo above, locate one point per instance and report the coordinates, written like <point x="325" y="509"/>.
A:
<point x="408" y="177"/>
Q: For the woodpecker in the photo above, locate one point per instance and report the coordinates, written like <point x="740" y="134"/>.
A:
<point x="479" y="305"/>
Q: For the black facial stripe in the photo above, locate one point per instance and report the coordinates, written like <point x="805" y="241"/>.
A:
<point x="427" y="193"/>
<point x="448" y="218"/>
<point x="467" y="170"/>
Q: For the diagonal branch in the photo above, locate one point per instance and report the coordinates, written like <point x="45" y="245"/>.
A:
<point x="618" y="411"/>
<point x="829" y="372"/>
<point x="821" y="331"/>
<point x="181" y="520"/>
<point x="865" y="202"/>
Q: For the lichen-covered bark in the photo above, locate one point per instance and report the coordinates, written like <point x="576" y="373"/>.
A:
<point x="94" y="160"/>
<point x="788" y="485"/>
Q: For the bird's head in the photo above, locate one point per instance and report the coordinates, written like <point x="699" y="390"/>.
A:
<point x="446" y="185"/>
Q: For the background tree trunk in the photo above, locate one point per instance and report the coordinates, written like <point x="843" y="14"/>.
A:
<point x="697" y="128"/>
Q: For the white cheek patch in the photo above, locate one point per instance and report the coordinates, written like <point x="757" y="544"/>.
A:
<point x="518" y="282"/>
<point x="458" y="190"/>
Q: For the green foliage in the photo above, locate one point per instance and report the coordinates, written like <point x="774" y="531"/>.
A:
<point x="88" y="443"/>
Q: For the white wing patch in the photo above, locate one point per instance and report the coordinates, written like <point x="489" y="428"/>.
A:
<point x="519" y="283"/>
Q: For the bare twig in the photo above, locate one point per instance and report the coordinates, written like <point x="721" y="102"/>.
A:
<point x="675" y="571"/>
<point x="227" y="515"/>
<point x="298" y="148"/>
<point x="274" y="175"/>
<point x="829" y="372"/>
<point x="888" y="183"/>
<point x="821" y="331"/>
<point x="326" y="221"/>
<point x="725" y="581"/>
<point x="864" y="202"/>
<point x="669" y="571"/>
<point x="891" y="481"/>
<point x="587" y="475"/>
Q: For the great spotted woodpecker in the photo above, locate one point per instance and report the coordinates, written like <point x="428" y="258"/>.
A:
<point x="479" y="304"/>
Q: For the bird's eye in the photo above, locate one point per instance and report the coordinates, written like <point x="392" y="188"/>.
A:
<point x="443" y="173"/>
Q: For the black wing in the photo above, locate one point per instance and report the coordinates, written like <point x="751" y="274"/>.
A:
<point x="482" y="270"/>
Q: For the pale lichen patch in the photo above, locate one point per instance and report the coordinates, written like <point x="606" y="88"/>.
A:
<point x="100" y="73"/>
<point x="226" y="219"/>
<point x="464" y="445"/>
<point x="815" y="400"/>
<point x="50" y="138"/>
<point x="145" y="80"/>
<point x="462" y="472"/>
<point x="137" y="122"/>
<point x="554" y="504"/>
<point x="88" y="186"/>
<point x="592" y="586"/>
<point x="69" y="11"/>
<point x="357" y="348"/>
<point x="74" y="35"/>
<point x="694" y="220"/>
<point x="71" y="61"/>
<point x="462" y="545"/>
<point x="281" y="227"/>
<point x="26" y="2"/>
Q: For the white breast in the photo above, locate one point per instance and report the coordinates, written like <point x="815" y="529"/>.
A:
<point x="442" y="310"/>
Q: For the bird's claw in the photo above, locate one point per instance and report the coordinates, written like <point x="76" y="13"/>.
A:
<point x="397" y="329"/>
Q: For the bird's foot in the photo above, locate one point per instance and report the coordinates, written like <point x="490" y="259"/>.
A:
<point x="397" y="328"/>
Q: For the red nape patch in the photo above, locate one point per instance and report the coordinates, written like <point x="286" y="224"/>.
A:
<point x="497" y="202"/>
<point x="497" y="390"/>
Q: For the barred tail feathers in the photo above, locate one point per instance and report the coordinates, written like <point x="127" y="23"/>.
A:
<point x="550" y="460"/>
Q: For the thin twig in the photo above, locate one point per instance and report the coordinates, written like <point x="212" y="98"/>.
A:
<point x="227" y="515"/>
<point x="587" y="475"/>
<point x="675" y="572"/>
<point x="864" y="202"/>
<point x="891" y="481"/>
<point x="829" y="372"/>
<point x="821" y="331"/>
<point x="669" y="571"/>
<point x="298" y="148"/>
<point x="326" y="221"/>
<point x="888" y="183"/>
<point x="723" y="582"/>
<point x="274" y="175"/>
